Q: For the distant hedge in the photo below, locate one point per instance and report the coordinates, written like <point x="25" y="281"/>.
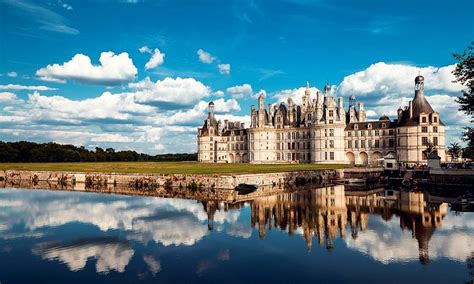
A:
<point x="24" y="151"/>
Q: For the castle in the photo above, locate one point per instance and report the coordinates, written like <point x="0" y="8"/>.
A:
<point x="321" y="130"/>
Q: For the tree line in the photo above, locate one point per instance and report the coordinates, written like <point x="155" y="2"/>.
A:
<point x="24" y="151"/>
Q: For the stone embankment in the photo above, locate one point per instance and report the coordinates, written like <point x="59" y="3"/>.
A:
<point x="155" y="181"/>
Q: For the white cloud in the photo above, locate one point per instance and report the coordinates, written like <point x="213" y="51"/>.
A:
<point x="113" y="70"/>
<point x="9" y="98"/>
<point x="219" y="93"/>
<point x="145" y="49"/>
<point x="241" y="91"/>
<point x="224" y="68"/>
<point x="205" y="57"/>
<point x="390" y="244"/>
<point x="170" y="92"/>
<point x="154" y="265"/>
<point x="156" y="60"/>
<point x="106" y="106"/>
<point x="12" y="74"/>
<point x="199" y="112"/>
<point x="44" y="18"/>
<point x="295" y="94"/>
<point x="29" y="88"/>
<point x="110" y="256"/>
<point x="383" y="78"/>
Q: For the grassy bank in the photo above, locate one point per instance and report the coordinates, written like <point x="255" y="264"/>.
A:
<point x="164" y="167"/>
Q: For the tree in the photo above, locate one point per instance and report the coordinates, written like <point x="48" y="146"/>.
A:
<point x="454" y="150"/>
<point x="464" y="73"/>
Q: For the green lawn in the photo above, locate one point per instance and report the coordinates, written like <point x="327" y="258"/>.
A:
<point x="165" y="167"/>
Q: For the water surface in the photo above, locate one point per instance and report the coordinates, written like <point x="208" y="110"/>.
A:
<point x="319" y="235"/>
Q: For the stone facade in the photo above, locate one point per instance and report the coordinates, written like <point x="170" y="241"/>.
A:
<point x="321" y="131"/>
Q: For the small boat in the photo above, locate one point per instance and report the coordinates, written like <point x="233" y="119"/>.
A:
<point x="354" y="181"/>
<point x="244" y="188"/>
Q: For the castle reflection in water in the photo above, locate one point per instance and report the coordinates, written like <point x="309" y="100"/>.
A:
<point x="325" y="214"/>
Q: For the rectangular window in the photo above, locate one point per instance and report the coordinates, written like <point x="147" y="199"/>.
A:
<point x="390" y="143"/>
<point x="356" y="143"/>
<point x="331" y="132"/>
<point x="331" y="143"/>
<point x="331" y="113"/>
<point x="349" y="134"/>
<point x="377" y="143"/>
<point x="424" y="129"/>
<point x="376" y="133"/>
<point x="325" y="132"/>
<point x="423" y="119"/>
<point x="349" y="144"/>
<point x="435" y="141"/>
<point x="325" y="143"/>
<point x="362" y="143"/>
<point x="424" y="141"/>
<point x="331" y="156"/>
<point x="325" y="155"/>
<point x="435" y="119"/>
<point x="390" y="132"/>
<point x="435" y="128"/>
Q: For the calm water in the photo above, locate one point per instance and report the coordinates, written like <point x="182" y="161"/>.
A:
<point x="321" y="235"/>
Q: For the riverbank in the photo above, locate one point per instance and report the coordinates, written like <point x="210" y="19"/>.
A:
<point x="193" y="168"/>
<point x="150" y="182"/>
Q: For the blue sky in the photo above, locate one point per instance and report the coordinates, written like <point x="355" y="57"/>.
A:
<point x="371" y="49"/>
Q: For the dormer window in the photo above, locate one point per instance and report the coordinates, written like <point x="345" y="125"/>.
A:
<point x="369" y="126"/>
<point x="384" y="125"/>
<point x="423" y="119"/>
<point x="435" y="119"/>
<point x="356" y="127"/>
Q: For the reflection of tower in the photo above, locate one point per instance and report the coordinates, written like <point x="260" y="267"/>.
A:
<point x="210" y="207"/>
<point x="421" y="218"/>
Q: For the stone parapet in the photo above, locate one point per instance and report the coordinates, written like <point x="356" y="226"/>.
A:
<point x="170" y="180"/>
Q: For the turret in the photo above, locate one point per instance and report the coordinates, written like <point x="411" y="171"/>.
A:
<point x="261" y="110"/>
<point x="341" y="110"/>
<point x="327" y="90"/>
<point x="361" y="112"/>
<point x="419" y="85"/>
<point x="410" y="108"/>
<point x="291" y="117"/>
<point x="399" y="113"/>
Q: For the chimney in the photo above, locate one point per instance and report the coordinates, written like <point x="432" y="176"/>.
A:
<point x="410" y="108"/>
<point x="226" y="124"/>
<point x="242" y="125"/>
<point x="399" y="113"/>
